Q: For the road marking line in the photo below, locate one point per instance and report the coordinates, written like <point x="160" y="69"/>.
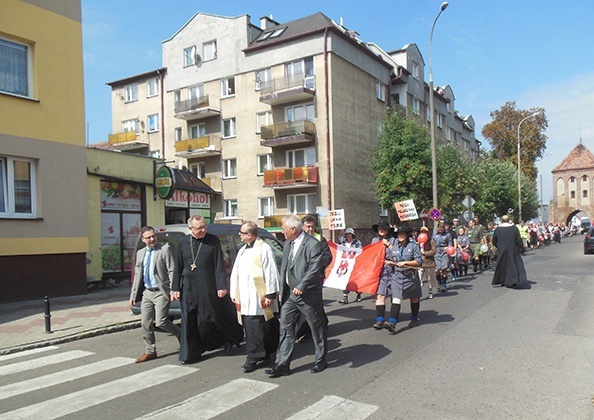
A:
<point x="214" y="402"/>
<point x="43" y="361"/>
<point x="331" y="407"/>
<point x="26" y="352"/>
<point x="80" y="400"/>
<point x="56" y="378"/>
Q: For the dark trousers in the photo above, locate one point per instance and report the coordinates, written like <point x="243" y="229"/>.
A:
<point x="291" y="311"/>
<point x="261" y="336"/>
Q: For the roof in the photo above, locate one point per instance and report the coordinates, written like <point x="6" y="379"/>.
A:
<point x="579" y="158"/>
<point x="186" y="180"/>
<point x="139" y="77"/>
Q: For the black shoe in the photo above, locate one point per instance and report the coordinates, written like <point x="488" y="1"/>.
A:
<point x="250" y="366"/>
<point x="379" y="325"/>
<point x="359" y="299"/>
<point x="390" y="326"/>
<point x="278" y="371"/>
<point x="319" y="367"/>
<point x="413" y="323"/>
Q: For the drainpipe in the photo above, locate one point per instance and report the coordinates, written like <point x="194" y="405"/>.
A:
<point x="162" y="114"/>
<point x="327" y="105"/>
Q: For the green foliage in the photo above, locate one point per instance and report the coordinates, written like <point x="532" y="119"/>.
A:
<point x="455" y="179"/>
<point x="402" y="162"/>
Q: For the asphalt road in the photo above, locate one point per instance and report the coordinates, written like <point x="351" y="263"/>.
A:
<point x="480" y="352"/>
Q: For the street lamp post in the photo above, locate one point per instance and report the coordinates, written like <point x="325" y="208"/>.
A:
<point x="541" y="195"/>
<point x="519" y="172"/>
<point x="444" y="5"/>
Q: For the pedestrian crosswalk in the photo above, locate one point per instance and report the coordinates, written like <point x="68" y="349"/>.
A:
<point x="58" y="368"/>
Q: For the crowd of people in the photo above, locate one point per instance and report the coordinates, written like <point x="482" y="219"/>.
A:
<point x="278" y="307"/>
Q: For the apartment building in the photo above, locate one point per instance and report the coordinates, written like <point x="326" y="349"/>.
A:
<point x="277" y="117"/>
<point x="43" y="231"/>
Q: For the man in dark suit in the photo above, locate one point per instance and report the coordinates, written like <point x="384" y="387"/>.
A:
<point x="154" y="270"/>
<point x="302" y="276"/>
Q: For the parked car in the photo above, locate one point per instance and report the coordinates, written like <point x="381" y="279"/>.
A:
<point x="589" y="241"/>
<point x="230" y="243"/>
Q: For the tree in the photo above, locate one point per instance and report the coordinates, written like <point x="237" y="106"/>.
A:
<point x="455" y="179"/>
<point x="502" y="135"/>
<point x="402" y="162"/>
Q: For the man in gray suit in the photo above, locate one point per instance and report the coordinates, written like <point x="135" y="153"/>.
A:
<point x="302" y="276"/>
<point x="154" y="271"/>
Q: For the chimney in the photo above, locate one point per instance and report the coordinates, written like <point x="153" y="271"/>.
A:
<point x="267" y="22"/>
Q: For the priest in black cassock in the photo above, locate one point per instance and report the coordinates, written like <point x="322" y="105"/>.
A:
<point x="209" y="317"/>
<point x="510" y="271"/>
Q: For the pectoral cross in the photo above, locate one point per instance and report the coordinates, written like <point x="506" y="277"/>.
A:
<point x="192" y="266"/>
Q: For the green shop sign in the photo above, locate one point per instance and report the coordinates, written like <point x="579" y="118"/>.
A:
<point x="164" y="182"/>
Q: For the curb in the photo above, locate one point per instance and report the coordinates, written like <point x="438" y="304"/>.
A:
<point x="108" y="329"/>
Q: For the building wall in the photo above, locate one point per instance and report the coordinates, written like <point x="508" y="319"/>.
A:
<point x="46" y="254"/>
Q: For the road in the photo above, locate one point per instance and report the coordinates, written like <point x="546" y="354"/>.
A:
<point x="480" y="352"/>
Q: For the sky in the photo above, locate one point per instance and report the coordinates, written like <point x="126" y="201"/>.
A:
<point x="536" y="53"/>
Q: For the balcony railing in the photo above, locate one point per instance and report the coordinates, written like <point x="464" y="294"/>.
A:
<point x="208" y="145"/>
<point x="285" y="133"/>
<point x="123" y="137"/>
<point x="286" y="89"/>
<point x="301" y="176"/>
<point x="195" y="108"/>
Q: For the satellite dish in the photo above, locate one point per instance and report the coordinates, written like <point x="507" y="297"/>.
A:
<point x="197" y="60"/>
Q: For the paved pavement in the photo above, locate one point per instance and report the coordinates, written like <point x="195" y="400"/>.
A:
<point x="22" y="324"/>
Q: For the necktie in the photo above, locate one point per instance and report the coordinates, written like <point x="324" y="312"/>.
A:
<point x="147" y="267"/>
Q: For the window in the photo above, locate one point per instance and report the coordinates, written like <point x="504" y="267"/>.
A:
<point x="572" y="179"/>
<point x="448" y="133"/>
<point x="302" y="68"/>
<point x="229" y="129"/>
<point x="572" y="194"/>
<point x="15" y="68"/>
<point x="300" y="112"/>
<point x="277" y="32"/>
<point x="428" y="113"/>
<point x="301" y="157"/>
<point x="380" y="91"/>
<point x="416" y="71"/>
<point x="152" y="87"/>
<point x="228" y="87"/>
<point x="198" y="169"/>
<point x="263" y="119"/>
<point x="301" y="203"/>
<point x="230" y="209"/>
<point x="196" y="131"/>
<point x="196" y="93"/>
<point x="17" y="187"/>
<point x="265" y="206"/>
<point x="264" y="163"/>
<point x="585" y="178"/>
<point x="190" y="56"/>
<point x="439" y="120"/>
<point x="585" y="193"/>
<point x="449" y="106"/>
<point x="456" y="137"/>
<point x="383" y="212"/>
<point x="130" y="125"/>
<point x="209" y="50"/>
<point x="229" y="168"/>
<point x="153" y="123"/>
<point x="177" y="133"/>
<point x="155" y="154"/>
<point x="132" y="93"/>
<point x="416" y="106"/>
<point x="176" y="96"/>
<point x="264" y="75"/>
<point x="466" y="145"/>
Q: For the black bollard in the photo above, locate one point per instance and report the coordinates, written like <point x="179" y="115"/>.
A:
<point x="48" y="323"/>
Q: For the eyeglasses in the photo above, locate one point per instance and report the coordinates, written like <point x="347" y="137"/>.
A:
<point x="198" y="228"/>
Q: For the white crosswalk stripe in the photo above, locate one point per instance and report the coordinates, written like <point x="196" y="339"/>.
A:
<point x="27" y="352"/>
<point x="46" y="381"/>
<point x="43" y="361"/>
<point x="332" y="407"/>
<point x="216" y="401"/>
<point x="80" y="400"/>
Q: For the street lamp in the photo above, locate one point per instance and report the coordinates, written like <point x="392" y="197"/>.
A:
<point x="444" y="6"/>
<point x="541" y="198"/>
<point x="519" y="172"/>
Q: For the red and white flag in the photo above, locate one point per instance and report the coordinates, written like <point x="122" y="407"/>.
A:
<point x="355" y="269"/>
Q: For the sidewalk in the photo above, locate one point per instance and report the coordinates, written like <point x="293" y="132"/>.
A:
<point x="22" y="324"/>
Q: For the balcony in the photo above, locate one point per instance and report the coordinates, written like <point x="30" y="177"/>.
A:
<point x="288" y="133"/>
<point x="299" y="177"/>
<point x="209" y="145"/>
<point x="282" y="90"/>
<point x="127" y="140"/>
<point x="195" y="109"/>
